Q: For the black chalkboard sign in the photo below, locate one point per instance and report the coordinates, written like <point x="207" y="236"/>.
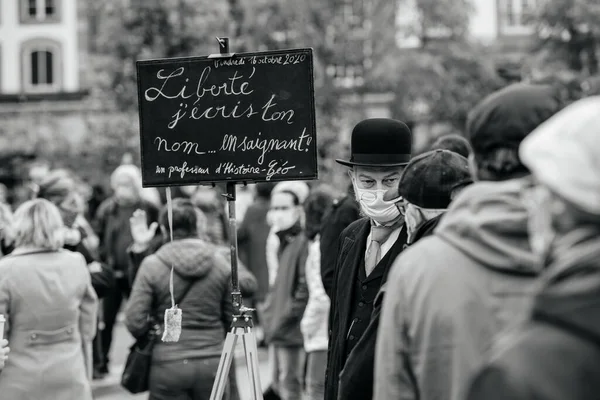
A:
<point x="247" y="118"/>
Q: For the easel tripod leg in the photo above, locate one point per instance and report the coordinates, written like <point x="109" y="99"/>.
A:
<point x="252" y="365"/>
<point x="222" y="377"/>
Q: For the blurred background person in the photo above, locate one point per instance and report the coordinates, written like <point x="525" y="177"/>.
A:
<point x="288" y="293"/>
<point x="60" y="188"/>
<point x="452" y="142"/>
<point x="555" y="354"/>
<point x="211" y="203"/>
<point x="185" y="369"/>
<point x="50" y="306"/>
<point x="112" y="227"/>
<point x="252" y="242"/>
<point x="6" y="230"/>
<point x="315" y="320"/>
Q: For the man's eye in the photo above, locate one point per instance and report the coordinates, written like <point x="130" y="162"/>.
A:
<point x="390" y="182"/>
<point x="368" y="184"/>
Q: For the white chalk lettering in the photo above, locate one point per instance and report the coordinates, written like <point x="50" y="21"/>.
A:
<point x="185" y="146"/>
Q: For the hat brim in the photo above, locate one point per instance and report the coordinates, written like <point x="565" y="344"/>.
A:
<point x="363" y="164"/>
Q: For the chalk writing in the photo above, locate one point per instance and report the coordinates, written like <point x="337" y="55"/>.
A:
<point x="248" y="118"/>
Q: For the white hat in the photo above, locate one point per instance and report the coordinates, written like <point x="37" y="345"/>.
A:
<point x="301" y="189"/>
<point x="563" y="153"/>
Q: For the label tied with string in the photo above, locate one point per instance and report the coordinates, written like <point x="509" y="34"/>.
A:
<point x="172" y="329"/>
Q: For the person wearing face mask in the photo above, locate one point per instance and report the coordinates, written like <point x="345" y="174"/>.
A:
<point x="287" y="297"/>
<point x="455" y="290"/>
<point x="380" y="150"/>
<point x="555" y="354"/>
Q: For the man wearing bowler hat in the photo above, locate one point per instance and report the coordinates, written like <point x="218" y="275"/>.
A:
<point x="380" y="150"/>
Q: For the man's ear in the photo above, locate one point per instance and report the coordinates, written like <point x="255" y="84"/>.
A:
<point x="473" y="167"/>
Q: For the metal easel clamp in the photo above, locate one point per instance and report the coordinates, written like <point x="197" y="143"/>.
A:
<point x="223" y="48"/>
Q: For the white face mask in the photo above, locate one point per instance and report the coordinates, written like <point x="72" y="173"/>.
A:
<point x="282" y="220"/>
<point x="374" y="207"/>
<point x="415" y="217"/>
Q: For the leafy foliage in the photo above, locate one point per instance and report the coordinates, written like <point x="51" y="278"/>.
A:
<point x="569" y="30"/>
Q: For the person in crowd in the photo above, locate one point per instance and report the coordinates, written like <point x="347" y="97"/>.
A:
<point x="59" y="187"/>
<point x="97" y="196"/>
<point x="344" y="211"/>
<point x="252" y="241"/>
<point x="314" y="324"/>
<point x="426" y="185"/>
<point x="380" y="150"/>
<point x="288" y="293"/>
<point x="50" y="306"/>
<point x="555" y="354"/>
<point x="452" y="142"/>
<point x="213" y="207"/>
<point x="455" y="290"/>
<point x="4" y="350"/>
<point x="185" y="369"/>
<point x="6" y="230"/>
<point x="112" y="226"/>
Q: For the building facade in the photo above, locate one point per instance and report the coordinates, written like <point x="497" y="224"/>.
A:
<point x="39" y="48"/>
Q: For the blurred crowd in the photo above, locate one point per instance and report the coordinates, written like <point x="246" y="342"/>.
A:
<point x="468" y="272"/>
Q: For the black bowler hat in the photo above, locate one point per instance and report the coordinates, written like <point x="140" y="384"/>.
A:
<point x="430" y="178"/>
<point x="379" y="142"/>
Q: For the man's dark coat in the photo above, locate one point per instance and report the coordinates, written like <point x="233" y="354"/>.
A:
<point x="353" y="243"/>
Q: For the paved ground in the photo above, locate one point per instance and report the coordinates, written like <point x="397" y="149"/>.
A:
<point x="110" y="389"/>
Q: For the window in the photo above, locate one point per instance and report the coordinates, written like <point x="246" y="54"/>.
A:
<point x="516" y="12"/>
<point x="39" y="11"/>
<point x="41" y="67"/>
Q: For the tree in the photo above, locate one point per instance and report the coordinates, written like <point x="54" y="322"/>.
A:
<point x="569" y="31"/>
<point x="443" y="75"/>
<point x="153" y="29"/>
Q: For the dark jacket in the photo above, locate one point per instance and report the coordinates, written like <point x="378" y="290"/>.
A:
<point x="207" y="309"/>
<point x="352" y="378"/>
<point x="344" y="212"/>
<point x="112" y="227"/>
<point x="556" y="354"/>
<point x="102" y="281"/>
<point x="252" y="242"/>
<point x="288" y="296"/>
<point x="354" y="382"/>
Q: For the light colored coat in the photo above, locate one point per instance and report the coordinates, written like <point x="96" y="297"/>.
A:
<point x="449" y="295"/>
<point x="315" y="322"/>
<point x="50" y="307"/>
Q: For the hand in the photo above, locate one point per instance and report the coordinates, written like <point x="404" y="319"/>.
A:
<point x="140" y="231"/>
<point x="4" y="350"/>
<point x="95" y="267"/>
<point x="72" y="236"/>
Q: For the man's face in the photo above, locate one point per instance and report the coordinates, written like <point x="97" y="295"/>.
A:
<point x="124" y="190"/>
<point x="283" y="213"/>
<point x="376" y="178"/>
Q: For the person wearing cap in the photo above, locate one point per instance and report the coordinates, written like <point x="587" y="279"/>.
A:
<point x="555" y="354"/>
<point x="452" y="142"/>
<point x="456" y="289"/>
<point x="380" y="150"/>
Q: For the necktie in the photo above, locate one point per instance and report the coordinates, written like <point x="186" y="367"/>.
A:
<point x="379" y="234"/>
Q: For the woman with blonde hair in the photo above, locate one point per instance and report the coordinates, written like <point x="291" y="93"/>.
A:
<point x="47" y="298"/>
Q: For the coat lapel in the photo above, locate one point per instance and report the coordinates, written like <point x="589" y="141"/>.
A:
<point x="352" y="257"/>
